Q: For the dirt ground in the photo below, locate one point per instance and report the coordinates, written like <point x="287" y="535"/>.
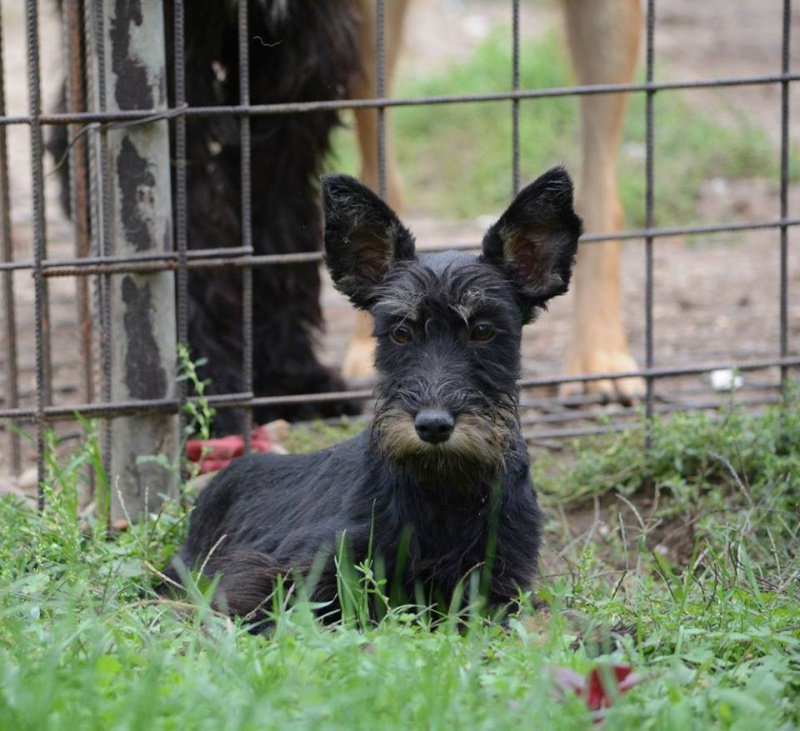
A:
<point x="716" y="297"/>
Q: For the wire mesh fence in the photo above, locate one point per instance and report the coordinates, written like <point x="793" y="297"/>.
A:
<point x="94" y="305"/>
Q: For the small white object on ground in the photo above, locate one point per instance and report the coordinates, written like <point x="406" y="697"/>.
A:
<point x="726" y="379"/>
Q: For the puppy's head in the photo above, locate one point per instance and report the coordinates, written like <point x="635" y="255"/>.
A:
<point x="449" y="324"/>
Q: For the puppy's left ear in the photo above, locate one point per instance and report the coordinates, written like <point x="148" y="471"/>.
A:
<point x="535" y="241"/>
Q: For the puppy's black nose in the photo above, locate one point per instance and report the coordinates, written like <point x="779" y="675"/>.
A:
<point x="434" y="426"/>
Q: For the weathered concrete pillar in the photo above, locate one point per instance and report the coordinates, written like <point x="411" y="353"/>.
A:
<point x="138" y="209"/>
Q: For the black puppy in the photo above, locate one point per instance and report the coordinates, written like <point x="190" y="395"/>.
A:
<point x="439" y="487"/>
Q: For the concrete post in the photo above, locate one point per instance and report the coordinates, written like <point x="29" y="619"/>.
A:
<point x="142" y="321"/>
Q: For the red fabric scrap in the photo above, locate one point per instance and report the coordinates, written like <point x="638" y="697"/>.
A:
<point x="601" y="686"/>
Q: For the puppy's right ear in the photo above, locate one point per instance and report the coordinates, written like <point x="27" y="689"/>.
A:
<point x="363" y="238"/>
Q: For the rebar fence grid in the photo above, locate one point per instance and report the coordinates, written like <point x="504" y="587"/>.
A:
<point x="545" y="417"/>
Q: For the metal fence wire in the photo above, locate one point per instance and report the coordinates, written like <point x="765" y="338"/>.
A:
<point x="114" y="139"/>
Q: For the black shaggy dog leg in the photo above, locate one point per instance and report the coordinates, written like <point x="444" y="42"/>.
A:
<point x="300" y="50"/>
<point x="438" y="490"/>
<point x="303" y="50"/>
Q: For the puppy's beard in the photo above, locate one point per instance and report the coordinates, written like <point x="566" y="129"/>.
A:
<point x="477" y="441"/>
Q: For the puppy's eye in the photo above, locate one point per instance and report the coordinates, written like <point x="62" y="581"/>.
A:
<point x="402" y="334"/>
<point x="482" y="332"/>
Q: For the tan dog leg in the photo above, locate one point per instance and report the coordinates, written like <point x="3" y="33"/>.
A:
<point x="604" y="42"/>
<point x="359" y="358"/>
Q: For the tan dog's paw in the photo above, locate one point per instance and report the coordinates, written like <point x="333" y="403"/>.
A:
<point x="624" y="390"/>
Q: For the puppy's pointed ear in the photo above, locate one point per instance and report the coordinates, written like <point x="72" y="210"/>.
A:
<point x="535" y="241"/>
<point x="363" y="238"/>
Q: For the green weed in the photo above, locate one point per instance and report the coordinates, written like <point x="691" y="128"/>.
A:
<point x="86" y="644"/>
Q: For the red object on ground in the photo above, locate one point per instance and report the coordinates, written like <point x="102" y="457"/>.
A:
<point x="214" y="454"/>
<point x="601" y="686"/>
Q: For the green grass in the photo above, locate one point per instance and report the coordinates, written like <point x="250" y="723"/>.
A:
<point x="456" y="159"/>
<point x="732" y="469"/>
<point x="85" y="644"/>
